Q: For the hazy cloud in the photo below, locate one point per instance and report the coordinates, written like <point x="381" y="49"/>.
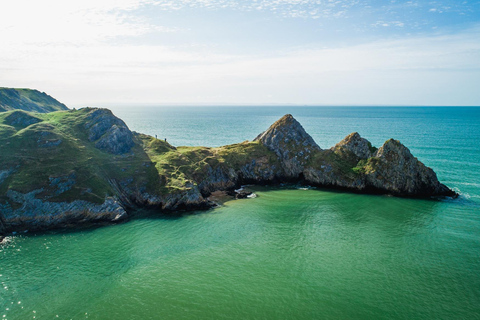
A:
<point x="72" y="50"/>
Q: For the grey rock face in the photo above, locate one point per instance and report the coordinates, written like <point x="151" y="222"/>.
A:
<point x="397" y="171"/>
<point x="355" y="144"/>
<point x="4" y="174"/>
<point x="292" y="144"/>
<point x="61" y="184"/>
<point x="223" y="178"/>
<point x="325" y="176"/>
<point x="117" y="140"/>
<point x="37" y="214"/>
<point x="110" y="133"/>
<point x="188" y="199"/>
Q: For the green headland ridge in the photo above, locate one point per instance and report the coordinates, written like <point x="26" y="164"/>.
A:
<point x="72" y="167"/>
<point x="28" y="100"/>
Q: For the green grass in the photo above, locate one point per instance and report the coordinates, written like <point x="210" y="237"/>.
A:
<point x="181" y="167"/>
<point x="366" y="166"/>
<point x="343" y="162"/>
<point x="22" y="149"/>
<point x="152" y="165"/>
<point x="28" y="100"/>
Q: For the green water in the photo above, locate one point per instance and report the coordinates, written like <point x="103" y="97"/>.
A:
<point x="287" y="254"/>
<point x="300" y="254"/>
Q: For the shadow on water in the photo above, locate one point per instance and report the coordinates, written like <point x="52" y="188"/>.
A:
<point x="351" y="209"/>
<point x="339" y="202"/>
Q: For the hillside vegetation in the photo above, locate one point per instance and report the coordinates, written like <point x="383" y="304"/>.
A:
<point x="76" y="166"/>
<point x="28" y="100"/>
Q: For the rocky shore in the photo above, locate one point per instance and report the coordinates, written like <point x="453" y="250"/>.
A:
<point x="85" y="166"/>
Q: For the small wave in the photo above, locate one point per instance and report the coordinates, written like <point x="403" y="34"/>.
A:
<point x="252" y="195"/>
<point x="305" y="188"/>
<point x="469" y="184"/>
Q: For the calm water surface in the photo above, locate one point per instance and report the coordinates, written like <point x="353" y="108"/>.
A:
<point x="287" y="254"/>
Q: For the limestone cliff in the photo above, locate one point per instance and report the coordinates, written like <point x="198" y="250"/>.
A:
<point x="84" y="166"/>
<point x="395" y="170"/>
<point x="291" y="143"/>
<point x="355" y="144"/>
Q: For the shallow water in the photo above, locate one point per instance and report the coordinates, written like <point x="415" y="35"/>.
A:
<point x="287" y="254"/>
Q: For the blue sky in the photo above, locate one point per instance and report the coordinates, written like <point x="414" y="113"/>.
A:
<point x="305" y="52"/>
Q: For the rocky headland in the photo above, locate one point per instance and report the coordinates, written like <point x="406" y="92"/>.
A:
<point x="74" y="167"/>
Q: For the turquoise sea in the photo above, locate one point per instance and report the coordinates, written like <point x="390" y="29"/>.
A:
<point x="287" y="254"/>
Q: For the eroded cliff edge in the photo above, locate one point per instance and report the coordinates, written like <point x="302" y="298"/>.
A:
<point x="81" y="166"/>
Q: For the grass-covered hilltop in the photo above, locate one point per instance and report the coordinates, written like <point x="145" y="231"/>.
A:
<point x="28" y="100"/>
<point x="70" y="167"/>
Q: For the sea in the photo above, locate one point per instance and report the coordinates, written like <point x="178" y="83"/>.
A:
<point x="290" y="253"/>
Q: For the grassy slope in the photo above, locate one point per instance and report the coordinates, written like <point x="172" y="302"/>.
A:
<point x="152" y="165"/>
<point x="28" y="100"/>
<point x="183" y="165"/>
<point x="23" y="148"/>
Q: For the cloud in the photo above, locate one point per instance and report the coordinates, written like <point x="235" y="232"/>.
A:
<point x="74" y="22"/>
<point x="286" y="8"/>
<point x="66" y="51"/>
<point x="421" y="70"/>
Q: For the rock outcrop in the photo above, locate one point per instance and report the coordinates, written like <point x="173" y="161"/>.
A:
<point x="109" y="132"/>
<point x="95" y="169"/>
<point x="395" y="170"/>
<point x="31" y="213"/>
<point x="291" y="143"/>
<point x="355" y="144"/>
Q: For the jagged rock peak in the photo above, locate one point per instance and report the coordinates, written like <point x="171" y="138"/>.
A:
<point x="292" y="144"/>
<point x="392" y="148"/>
<point x="399" y="172"/>
<point x="286" y="130"/>
<point x="354" y="143"/>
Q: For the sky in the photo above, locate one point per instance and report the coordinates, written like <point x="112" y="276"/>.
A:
<point x="243" y="52"/>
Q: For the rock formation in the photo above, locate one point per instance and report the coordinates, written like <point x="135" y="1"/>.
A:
<point x="291" y="143"/>
<point x="85" y="166"/>
<point x="395" y="170"/>
<point x="109" y="132"/>
<point x="357" y="145"/>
